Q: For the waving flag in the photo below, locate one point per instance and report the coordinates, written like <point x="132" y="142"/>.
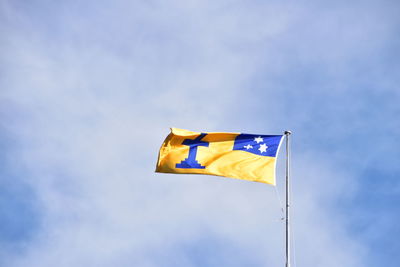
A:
<point x="235" y="155"/>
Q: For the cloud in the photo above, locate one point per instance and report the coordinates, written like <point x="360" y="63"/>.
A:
<point x="92" y="88"/>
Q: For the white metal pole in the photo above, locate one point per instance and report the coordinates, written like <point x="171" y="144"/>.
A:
<point x="287" y="134"/>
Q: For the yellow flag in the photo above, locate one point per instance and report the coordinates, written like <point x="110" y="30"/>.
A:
<point x="235" y="155"/>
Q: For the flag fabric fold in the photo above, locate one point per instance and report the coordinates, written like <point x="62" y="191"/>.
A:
<point x="242" y="156"/>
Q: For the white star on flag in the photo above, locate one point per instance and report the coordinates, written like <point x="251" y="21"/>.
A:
<point x="248" y="146"/>
<point x="263" y="148"/>
<point x="258" y="139"/>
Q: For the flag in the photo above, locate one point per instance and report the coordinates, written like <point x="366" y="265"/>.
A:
<point x="236" y="155"/>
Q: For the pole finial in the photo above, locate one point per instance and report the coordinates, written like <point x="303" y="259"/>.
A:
<point x="288" y="132"/>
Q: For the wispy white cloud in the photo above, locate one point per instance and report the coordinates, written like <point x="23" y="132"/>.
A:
<point x="92" y="88"/>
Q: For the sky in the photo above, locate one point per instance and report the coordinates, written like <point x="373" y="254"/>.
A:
<point x="89" y="90"/>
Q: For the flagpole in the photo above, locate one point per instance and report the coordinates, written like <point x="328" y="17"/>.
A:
<point x="287" y="134"/>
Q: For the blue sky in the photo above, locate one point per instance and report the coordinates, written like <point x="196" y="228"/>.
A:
<point x="89" y="90"/>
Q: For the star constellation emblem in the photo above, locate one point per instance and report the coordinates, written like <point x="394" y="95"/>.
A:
<point x="261" y="145"/>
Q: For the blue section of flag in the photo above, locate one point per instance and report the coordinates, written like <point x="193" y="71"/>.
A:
<point x="263" y="145"/>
